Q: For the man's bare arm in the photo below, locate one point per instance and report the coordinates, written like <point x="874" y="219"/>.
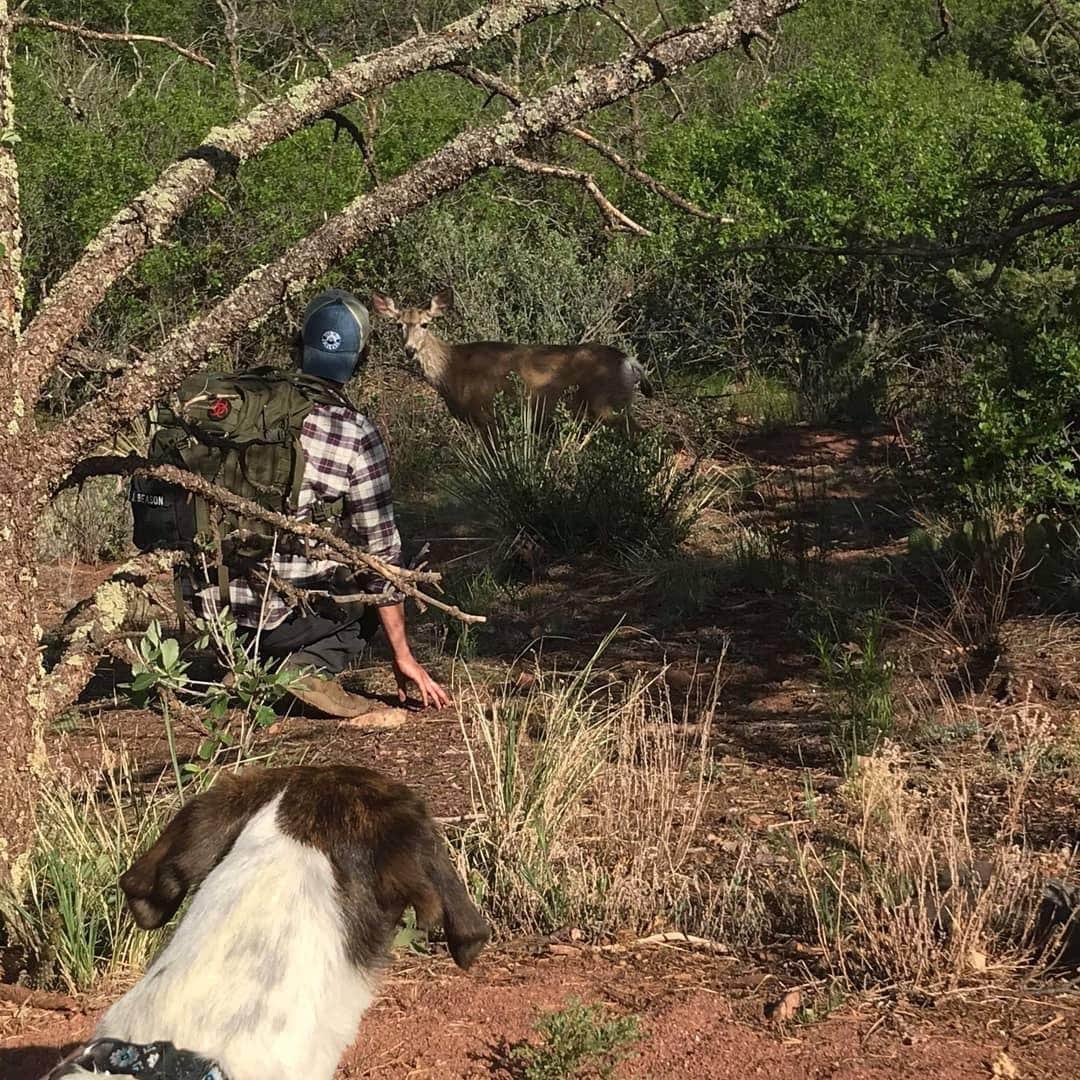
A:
<point x="406" y="667"/>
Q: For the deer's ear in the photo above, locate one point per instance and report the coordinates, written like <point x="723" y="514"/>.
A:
<point x="383" y="305"/>
<point x="440" y="302"/>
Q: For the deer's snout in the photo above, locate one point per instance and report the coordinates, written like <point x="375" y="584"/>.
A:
<point x="410" y="350"/>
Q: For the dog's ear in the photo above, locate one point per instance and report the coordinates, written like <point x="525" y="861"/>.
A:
<point x="191" y="845"/>
<point x="467" y="931"/>
<point x="420" y="875"/>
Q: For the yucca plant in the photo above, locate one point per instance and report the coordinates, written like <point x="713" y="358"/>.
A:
<point x="571" y="486"/>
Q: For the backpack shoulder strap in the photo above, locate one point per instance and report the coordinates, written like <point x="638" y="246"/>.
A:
<point x="320" y="391"/>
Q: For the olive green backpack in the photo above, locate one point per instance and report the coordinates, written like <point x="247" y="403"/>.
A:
<point x="241" y="431"/>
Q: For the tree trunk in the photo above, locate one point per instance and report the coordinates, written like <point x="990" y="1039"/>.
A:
<point x="21" y="499"/>
<point x="22" y="761"/>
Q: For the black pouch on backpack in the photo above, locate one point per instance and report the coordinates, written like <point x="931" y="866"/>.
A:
<point x="163" y="515"/>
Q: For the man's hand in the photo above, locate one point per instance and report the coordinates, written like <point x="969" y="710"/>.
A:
<point x="407" y="670"/>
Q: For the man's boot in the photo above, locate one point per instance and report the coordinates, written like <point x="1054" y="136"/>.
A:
<point x="331" y="698"/>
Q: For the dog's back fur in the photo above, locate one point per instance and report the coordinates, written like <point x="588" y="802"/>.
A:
<point x="304" y="873"/>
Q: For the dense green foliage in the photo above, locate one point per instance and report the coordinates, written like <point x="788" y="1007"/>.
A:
<point x="866" y="167"/>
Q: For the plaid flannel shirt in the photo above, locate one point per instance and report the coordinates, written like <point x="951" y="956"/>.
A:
<point x="346" y="459"/>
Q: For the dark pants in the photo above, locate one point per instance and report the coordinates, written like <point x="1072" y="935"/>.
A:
<point x="313" y="640"/>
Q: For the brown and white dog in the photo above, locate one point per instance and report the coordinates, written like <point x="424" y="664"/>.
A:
<point x="304" y="873"/>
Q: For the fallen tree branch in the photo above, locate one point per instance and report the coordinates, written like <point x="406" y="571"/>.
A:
<point x="342" y="551"/>
<point x="32" y="22"/>
<point x="463" y="157"/>
<point x="145" y="222"/>
<point x="503" y="89"/>
<point x="615" y="217"/>
<point x="93" y="625"/>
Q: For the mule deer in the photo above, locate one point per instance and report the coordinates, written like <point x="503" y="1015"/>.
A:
<point x="468" y="376"/>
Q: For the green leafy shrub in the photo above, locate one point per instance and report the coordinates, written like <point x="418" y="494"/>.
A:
<point x="1008" y="422"/>
<point x="577" y="1040"/>
<point x="859" y="142"/>
<point x="230" y="711"/>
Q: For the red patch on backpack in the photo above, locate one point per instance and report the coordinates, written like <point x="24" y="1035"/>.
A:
<point x="219" y="409"/>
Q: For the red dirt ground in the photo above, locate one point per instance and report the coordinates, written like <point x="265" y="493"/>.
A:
<point x="699" y="1018"/>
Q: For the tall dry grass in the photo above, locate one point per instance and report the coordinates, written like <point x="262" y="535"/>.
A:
<point x="915" y="895"/>
<point x="590" y="806"/>
<point x="69" y="923"/>
<point x="587" y="806"/>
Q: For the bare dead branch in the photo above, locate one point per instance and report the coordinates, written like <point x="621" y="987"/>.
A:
<point x="305" y="39"/>
<point x="30" y="22"/>
<point x="342" y="551"/>
<point x="1062" y="19"/>
<point x="645" y="179"/>
<point x="946" y="20"/>
<point x="342" y="123"/>
<point x="232" y="38"/>
<point x="614" y="216"/>
<point x="610" y="10"/>
<point x="503" y="89"/>
<point x="301" y="598"/>
<point x="145" y="222"/>
<point x="463" y="157"/>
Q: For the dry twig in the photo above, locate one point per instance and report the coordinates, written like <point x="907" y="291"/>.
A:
<point x="503" y="89"/>
<point x="947" y="22"/>
<point x="615" y="217"/>
<point x="232" y="36"/>
<point x="21" y="21"/>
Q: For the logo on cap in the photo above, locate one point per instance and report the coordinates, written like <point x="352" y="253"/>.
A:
<point x="331" y="341"/>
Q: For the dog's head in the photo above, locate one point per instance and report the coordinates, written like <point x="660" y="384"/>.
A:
<point x="386" y="853"/>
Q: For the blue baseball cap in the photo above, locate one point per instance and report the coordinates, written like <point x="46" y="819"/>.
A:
<point x="336" y="328"/>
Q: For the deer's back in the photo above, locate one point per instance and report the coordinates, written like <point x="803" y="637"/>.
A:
<point x="543" y="368"/>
